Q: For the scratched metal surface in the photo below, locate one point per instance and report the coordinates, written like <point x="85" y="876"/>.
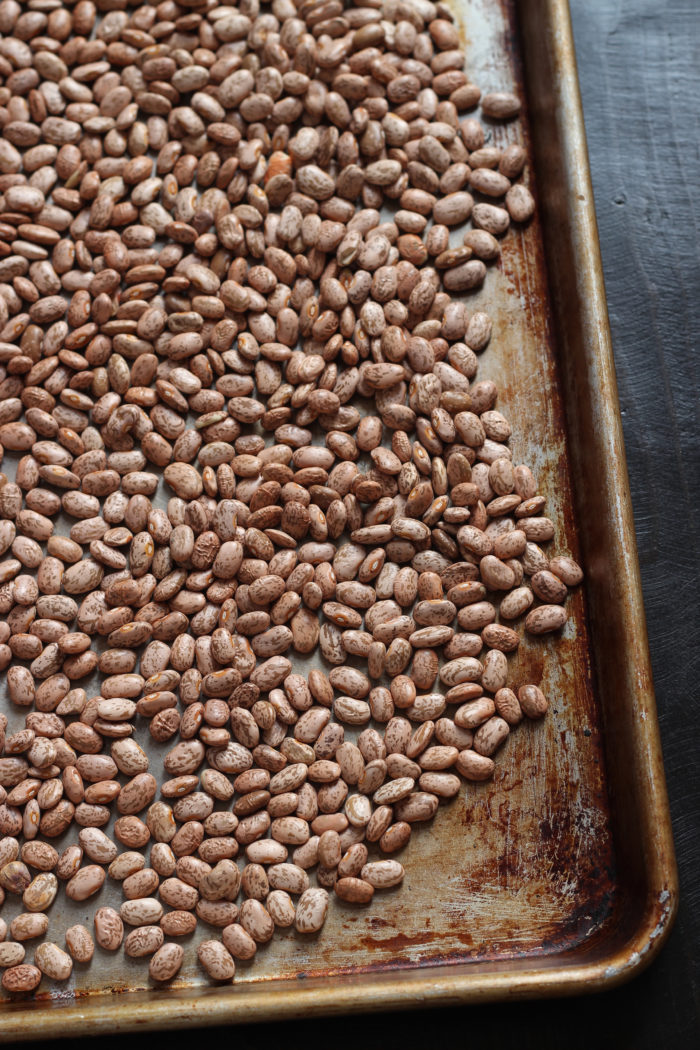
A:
<point x="521" y="866"/>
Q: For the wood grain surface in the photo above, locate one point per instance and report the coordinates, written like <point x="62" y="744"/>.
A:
<point x="639" y="69"/>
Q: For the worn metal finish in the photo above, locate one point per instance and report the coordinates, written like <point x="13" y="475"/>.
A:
<point x="559" y="876"/>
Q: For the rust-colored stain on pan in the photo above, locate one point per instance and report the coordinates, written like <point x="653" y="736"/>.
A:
<point x="559" y="875"/>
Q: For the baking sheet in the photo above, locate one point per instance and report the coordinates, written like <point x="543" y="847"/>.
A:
<point x="518" y="877"/>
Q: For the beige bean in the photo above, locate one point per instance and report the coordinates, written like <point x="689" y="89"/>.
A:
<point x="140" y="884"/>
<point x="395" y="837"/>
<point x="28" y="925"/>
<point x="11" y="953"/>
<point x="145" y="911"/>
<point x="520" y="203"/>
<point x="354" y="891"/>
<point x="143" y="941"/>
<point x="238" y="941"/>
<point x="515" y="603"/>
<point x="109" y="929"/>
<point x="548" y="587"/>
<point x="22" y="978"/>
<point x="545" y="618"/>
<point x="566" y="569"/>
<point x="53" y="962"/>
<point x="174" y="924"/>
<point x="393" y="791"/>
<point x="289" y="877"/>
<point x="178" y="894"/>
<point x="532" y="701"/>
<point x="312" y="910"/>
<point x="98" y="846"/>
<point x="166" y="962"/>
<point x="86" y="882"/>
<point x="41" y="892"/>
<point x="256" y="921"/>
<point x="80" y="943"/>
<point x="383" y="874"/>
<point x="416" y="807"/>
<point x="216" y="960"/>
<point x="280" y="908"/>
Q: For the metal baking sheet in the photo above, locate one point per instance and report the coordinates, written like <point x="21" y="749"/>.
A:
<point x="558" y="876"/>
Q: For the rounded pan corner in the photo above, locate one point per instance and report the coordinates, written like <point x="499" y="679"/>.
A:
<point x="643" y="947"/>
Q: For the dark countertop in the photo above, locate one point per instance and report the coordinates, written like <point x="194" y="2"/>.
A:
<point x="639" y="68"/>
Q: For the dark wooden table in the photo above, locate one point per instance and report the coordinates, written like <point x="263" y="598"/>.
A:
<point x="639" y="68"/>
